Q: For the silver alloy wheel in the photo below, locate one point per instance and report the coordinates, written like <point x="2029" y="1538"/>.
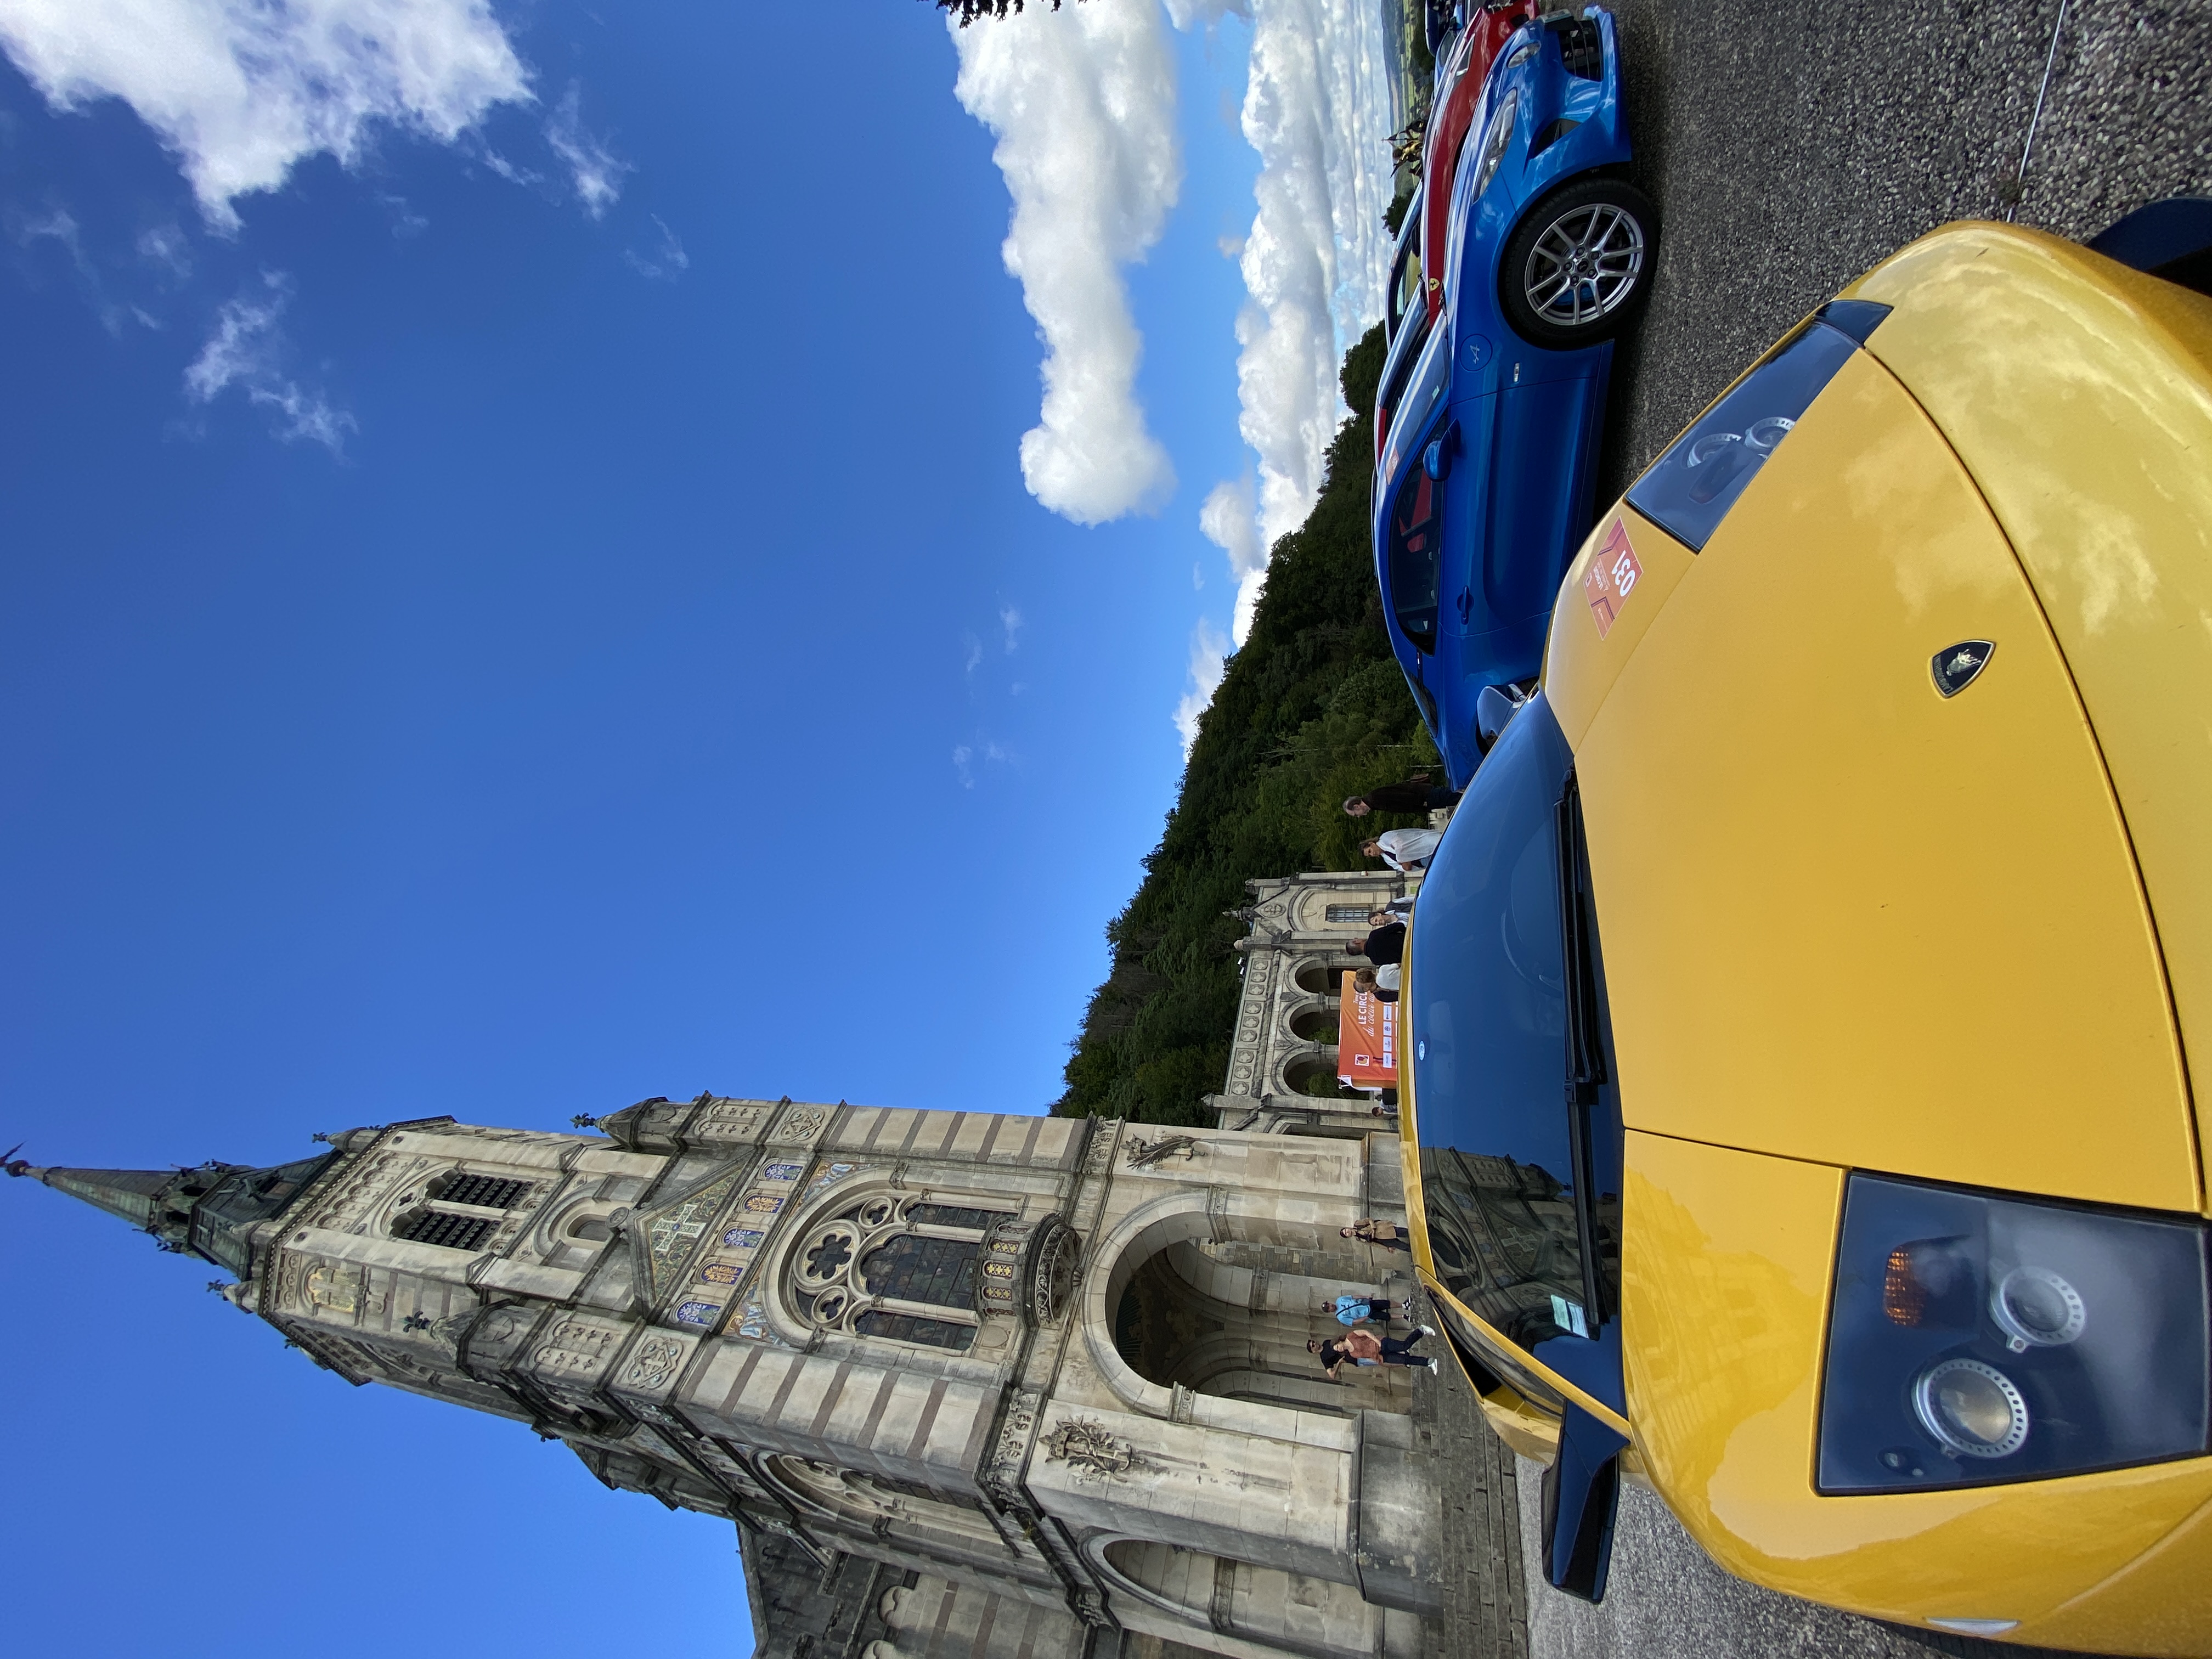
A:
<point x="1586" y="263"/>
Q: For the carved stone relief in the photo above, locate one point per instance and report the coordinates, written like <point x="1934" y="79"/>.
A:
<point x="577" y="1350"/>
<point x="800" y="1126"/>
<point x="335" y="1288"/>
<point x="656" y="1361"/>
<point x="1091" y="1450"/>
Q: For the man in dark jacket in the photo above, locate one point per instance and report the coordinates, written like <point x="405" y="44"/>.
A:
<point x="1415" y="794"/>
<point x="1386" y="944"/>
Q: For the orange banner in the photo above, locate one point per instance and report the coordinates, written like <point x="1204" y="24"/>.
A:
<point x="1366" y="1039"/>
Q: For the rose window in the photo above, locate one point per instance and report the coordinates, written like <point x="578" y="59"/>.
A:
<point x="912" y="1271"/>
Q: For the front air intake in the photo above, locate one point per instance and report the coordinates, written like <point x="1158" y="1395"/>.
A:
<point x="1582" y="50"/>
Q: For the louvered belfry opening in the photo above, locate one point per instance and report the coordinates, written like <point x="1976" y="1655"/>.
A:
<point x="485" y="1192"/>
<point x="455" y="1232"/>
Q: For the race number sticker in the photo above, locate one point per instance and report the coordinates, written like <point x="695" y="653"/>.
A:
<point x="1614" y="573"/>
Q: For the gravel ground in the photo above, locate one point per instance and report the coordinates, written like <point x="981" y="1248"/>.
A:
<point x="1789" y="146"/>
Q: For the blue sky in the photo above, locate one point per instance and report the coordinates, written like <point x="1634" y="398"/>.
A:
<point x="513" y="621"/>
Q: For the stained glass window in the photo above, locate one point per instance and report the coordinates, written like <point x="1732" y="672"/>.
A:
<point x="910" y="1327"/>
<point x="952" y="1215"/>
<point x="912" y="1268"/>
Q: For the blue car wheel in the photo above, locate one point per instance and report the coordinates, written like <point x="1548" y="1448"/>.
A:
<point x="1578" y="265"/>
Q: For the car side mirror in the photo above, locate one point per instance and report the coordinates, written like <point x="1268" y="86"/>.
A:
<point x="1436" y="459"/>
<point x="1493" y="710"/>
<point x="1582" y="1492"/>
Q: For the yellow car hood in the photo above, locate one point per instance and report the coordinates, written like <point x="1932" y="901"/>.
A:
<point x="2078" y="393"/>
<point x="1842" y="918"/>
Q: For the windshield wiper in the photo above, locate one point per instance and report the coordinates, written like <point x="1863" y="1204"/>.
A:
<point x="1585" y="1066"/>
<point x="1585" y="1049"/>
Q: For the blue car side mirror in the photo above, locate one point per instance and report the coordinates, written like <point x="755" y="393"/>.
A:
<point x="1497" y="705"/>
<point x="1436" y="459"/>
<point x="1582" y="1492"/>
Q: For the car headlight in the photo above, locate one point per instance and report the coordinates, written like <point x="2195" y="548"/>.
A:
<point x="1976" y="1338"/>
<point x="1495" y="137"/>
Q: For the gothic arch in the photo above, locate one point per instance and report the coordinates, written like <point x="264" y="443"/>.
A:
<point x="865" y="1501"/>
<point x="1323" y="975"/>
<point x="1310" y="1070"/>
<point x="582" y="1224"/>
<point x="1183" y="1216"/>
<point x="1290" y="1611"/>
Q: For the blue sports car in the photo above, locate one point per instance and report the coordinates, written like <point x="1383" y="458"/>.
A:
<point x="1487" y="422"/>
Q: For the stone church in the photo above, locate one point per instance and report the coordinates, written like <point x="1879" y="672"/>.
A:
<point x="968" y="1383"/>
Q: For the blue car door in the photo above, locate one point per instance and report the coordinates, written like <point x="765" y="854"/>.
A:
<point x="1535" y="510"/>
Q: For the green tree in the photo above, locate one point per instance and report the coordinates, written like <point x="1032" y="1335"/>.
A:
<point x="1311" y="709"/>
<point x="969" y="11"/>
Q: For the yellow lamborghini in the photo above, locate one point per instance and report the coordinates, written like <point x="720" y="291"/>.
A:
<point x="1800" y="1007"/>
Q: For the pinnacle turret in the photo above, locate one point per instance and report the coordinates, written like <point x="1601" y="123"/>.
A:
<point x="209" y="1211"/>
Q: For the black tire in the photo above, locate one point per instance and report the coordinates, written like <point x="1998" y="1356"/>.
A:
<point x="1605" y="229"/>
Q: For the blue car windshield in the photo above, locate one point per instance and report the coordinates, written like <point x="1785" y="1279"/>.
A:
<point x="1695" y="482"/>
<point x="1520" y="1179"/>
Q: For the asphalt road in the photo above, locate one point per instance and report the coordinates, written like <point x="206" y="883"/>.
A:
<point x="1789" y="146"/>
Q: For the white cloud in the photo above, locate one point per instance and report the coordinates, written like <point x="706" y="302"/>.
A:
<point x="665" y="262"/>
<point x="1228" y="520"/>
<point x="241" y="90"/>
<point x="598" y="176"/>
<point x="1185" y="13"/>
<point x="59" y="227"/>
<point x="1083" y="102"/>
<point x="1011" y="619"/>
<point x="1317" y="108"/>
<point x="246" y="349"/>
<point x="965" y="755"/>
<point x="165" y="246"/>
<point x="1209" y="653"/>
<point x="972" y="652"/>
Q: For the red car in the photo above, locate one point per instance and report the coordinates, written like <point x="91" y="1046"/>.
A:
<point x="1459" y="88"/>
<point x="1417" y="270"/>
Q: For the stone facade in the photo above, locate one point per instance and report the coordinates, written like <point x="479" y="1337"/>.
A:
<point x="1285" y="1048"/>
<point x="969" y="1384"/>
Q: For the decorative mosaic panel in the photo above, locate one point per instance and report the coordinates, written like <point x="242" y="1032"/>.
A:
<point x="732" y="1250"/>
<point x="828" y="1174"/>
<point x="752" y="1322"/>
<point x="670" y="1235"/>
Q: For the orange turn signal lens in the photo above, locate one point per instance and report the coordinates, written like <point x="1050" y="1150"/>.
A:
<point x="1903" y="1299"/>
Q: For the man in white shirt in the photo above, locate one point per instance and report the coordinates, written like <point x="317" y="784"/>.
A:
<point x="1408" y="851"/>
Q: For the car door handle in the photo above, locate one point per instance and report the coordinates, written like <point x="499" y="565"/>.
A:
<point x="1466" y="603"/>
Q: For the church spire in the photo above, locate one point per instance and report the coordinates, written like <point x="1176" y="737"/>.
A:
<point x="206" y="1211"/>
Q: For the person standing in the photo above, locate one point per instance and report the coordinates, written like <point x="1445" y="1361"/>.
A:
<point x="1364" y="1347"/>
<point x="1381" y="983"/>
<point x="1387" y="1235"/>
<point x="1386" y="944"/>
<point x="1415" y="794"/>
<point x="1351" y="1309"/>
<point x="1407" y="851"/>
